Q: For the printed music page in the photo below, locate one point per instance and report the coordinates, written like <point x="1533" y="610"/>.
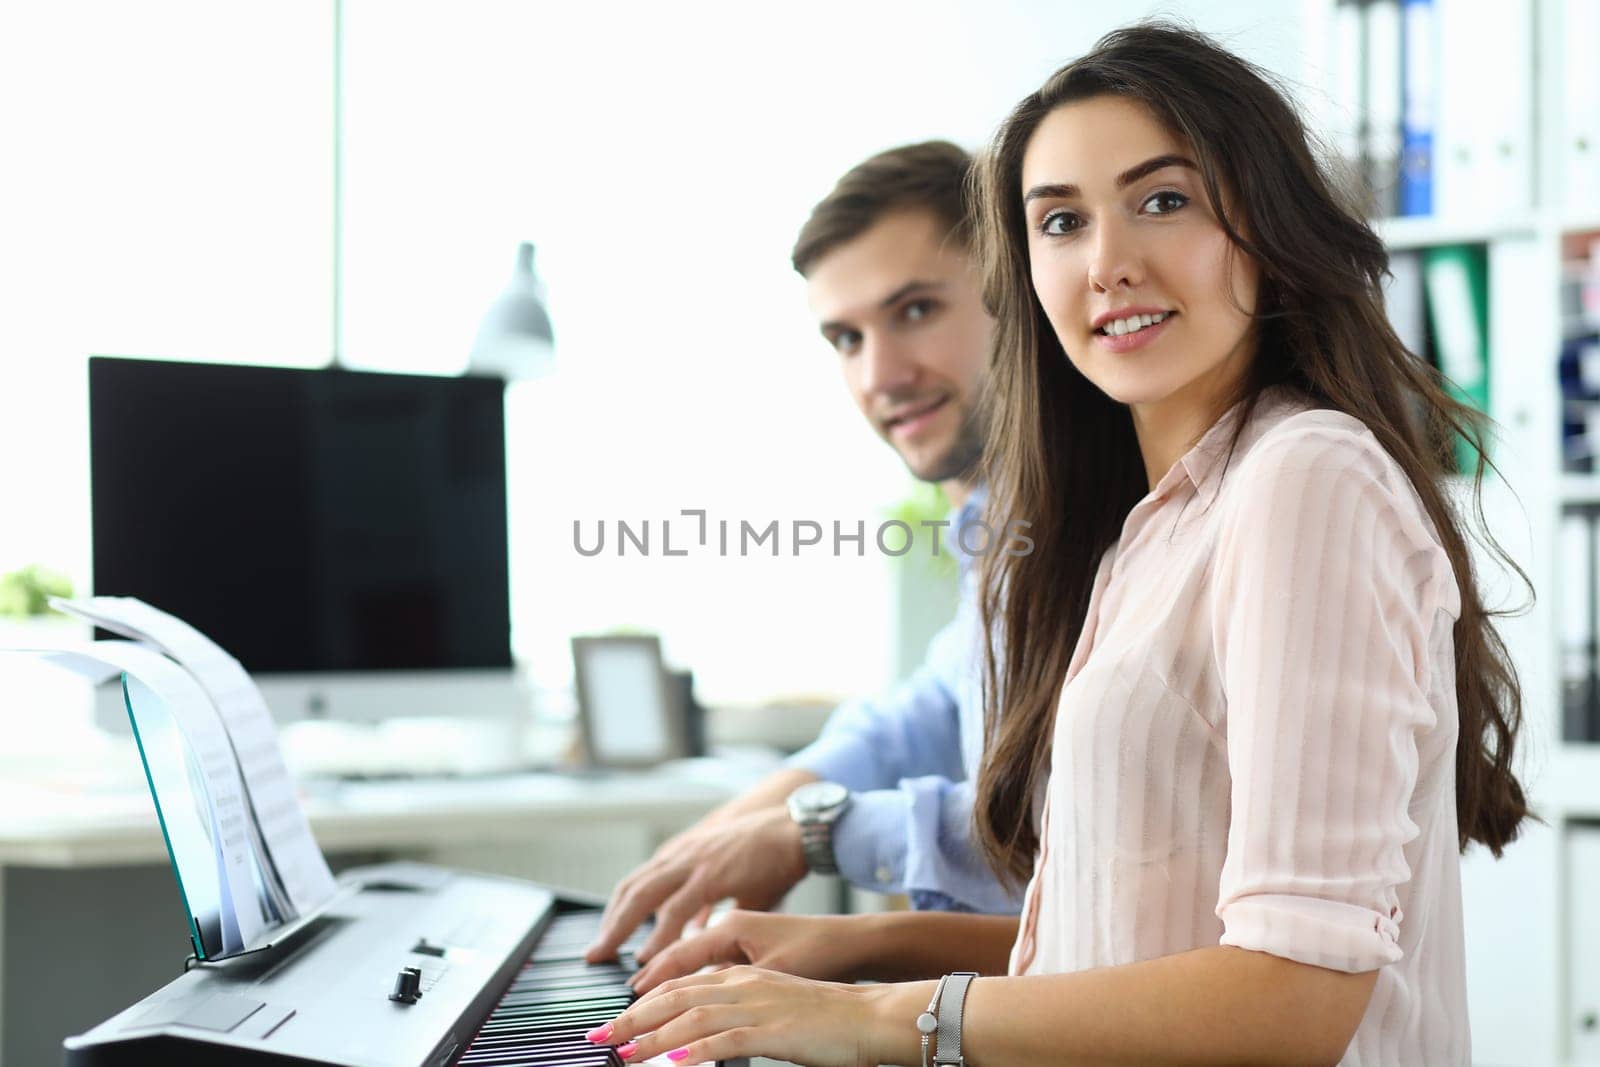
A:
<point x="243" y="915"/>
<point x="289" y="846"/>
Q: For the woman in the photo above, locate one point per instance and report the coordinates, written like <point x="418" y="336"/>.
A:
<point x="1253" y="703"/>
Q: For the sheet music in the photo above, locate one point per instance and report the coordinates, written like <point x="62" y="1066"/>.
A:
<point x="243" y="915"/>
<point x="289" y="847"/>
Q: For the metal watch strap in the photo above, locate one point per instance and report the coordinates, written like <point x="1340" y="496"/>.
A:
<point x="816" y="840"/>
<point x="928" y="1021"/>
<point x="947" y="1038"/>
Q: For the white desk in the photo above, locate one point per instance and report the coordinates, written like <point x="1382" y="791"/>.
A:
<point x="45" y="827"/>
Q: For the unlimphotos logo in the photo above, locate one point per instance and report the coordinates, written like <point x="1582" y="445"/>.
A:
<point x="725" y="537"/>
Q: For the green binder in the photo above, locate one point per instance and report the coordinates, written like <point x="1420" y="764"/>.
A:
<point x="1456" y="280"/>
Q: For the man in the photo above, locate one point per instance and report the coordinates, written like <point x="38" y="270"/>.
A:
<point x="890" y="278"/>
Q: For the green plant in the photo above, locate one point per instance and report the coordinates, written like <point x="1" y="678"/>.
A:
<point x="26" y="593"/>
<point x="926" y="503"/>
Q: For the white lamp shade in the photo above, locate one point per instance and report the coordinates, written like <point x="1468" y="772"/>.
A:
<point x="515" y="340"/>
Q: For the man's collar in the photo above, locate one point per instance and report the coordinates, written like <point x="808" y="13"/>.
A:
<point x="969" y="512"/>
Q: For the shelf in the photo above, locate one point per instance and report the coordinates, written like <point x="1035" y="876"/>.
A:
<point x="1580" y="489"/>
<point x="1425" y="231"/>
<point x="1405" y="234"/>
<point x="1569" y="785"/>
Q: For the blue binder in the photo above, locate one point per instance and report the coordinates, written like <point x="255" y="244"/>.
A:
<point x="1420" y="87"/>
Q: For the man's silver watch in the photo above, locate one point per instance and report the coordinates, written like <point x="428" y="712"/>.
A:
<point x="816" y="806"/>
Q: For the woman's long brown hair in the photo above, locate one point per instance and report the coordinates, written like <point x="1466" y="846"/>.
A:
<point x="1063" y="455"/>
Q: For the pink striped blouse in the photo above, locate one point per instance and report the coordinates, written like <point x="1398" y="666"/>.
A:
<point x="1255" y="745"/>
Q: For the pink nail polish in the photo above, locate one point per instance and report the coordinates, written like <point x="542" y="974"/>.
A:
<point x="599" y="1034"/>
<point x="678" y="1054"/>
<point x="628" y="1050"/>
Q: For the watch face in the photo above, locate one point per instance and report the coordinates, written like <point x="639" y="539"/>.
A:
<point x="820" y="796"/>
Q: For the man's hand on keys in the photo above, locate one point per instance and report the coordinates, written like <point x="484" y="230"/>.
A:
<point x="754" y="858"/>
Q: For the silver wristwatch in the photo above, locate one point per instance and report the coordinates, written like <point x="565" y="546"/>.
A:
<point x="816" y="806"/>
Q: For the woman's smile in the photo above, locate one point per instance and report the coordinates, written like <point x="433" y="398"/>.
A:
<point x="1121" y="335"/>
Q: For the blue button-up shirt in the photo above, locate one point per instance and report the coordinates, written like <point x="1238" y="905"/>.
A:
<point x="911" y="760"/>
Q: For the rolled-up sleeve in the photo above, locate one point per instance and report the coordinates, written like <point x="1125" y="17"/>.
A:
<point x="905" y="757"/>
<point x="918" y="840"/>
<point x="1327" y="586"/>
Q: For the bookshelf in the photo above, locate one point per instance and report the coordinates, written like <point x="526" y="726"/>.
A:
<point x="1532" y="989"/>
<point x="1580" y="488"/>
<point x="1422" y="232"/>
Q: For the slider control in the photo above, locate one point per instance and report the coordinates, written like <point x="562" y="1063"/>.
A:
<point x="407" y="986"/>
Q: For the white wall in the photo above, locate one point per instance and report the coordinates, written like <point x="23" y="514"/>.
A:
<point x="168" y="193"/>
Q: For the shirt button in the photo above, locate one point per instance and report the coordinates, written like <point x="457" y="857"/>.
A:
<point x="884" y="875"/>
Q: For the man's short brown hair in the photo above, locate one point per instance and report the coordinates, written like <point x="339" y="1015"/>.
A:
<point x="931" y="176"/>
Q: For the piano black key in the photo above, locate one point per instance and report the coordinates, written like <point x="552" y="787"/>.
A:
<point x="587" y="1020"/>
<point x="596" y="1058"/>
<point x="594" y="999"/>
<point x="616" y="972"/>
<point x="530" y="997"/>
<point x="549" y="1016"/>
<point x="574" y="1022"/>
<point x="545" y="975"/>
<point x="569" y="1040"/>
<point x="586" y="1007"/>
<point x="572" y="1031"/>
<point x="533" y="1050"/>
<point x="573" y="1026"/>
<point x="571" y="981"/>
<point x="602" y="1008"/>
<point x="512" y="1009"/>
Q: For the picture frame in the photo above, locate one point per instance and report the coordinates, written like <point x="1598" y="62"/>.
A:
<point x="630" y="709"/>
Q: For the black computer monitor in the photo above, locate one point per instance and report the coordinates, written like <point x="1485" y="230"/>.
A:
<point x="324" y="526"/>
